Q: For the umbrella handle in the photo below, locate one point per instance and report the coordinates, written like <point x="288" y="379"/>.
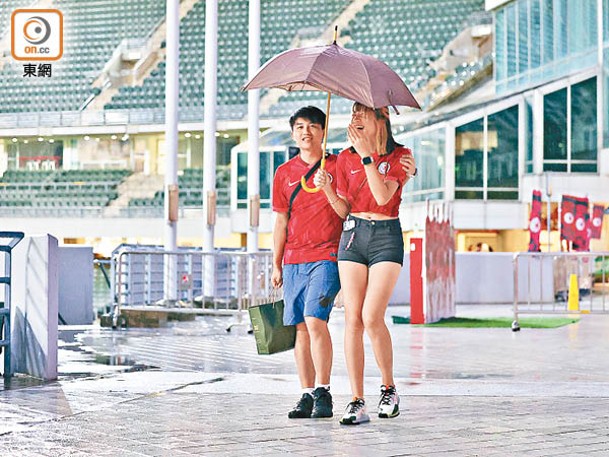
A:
<point x="303" y="182"/>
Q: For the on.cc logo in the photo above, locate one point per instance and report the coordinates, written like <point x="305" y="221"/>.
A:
<point x="37" y="34"/>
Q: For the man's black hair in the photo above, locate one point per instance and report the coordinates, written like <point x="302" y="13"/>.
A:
<point x="310" y="113"/>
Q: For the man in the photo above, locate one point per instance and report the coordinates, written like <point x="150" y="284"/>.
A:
<point x="305" y="239"/>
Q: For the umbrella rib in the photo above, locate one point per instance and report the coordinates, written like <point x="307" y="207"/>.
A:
<point x="369" y="82"/>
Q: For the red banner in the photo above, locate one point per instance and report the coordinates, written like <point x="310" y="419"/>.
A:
<point x="596" y="225"/>
<point x="575" y="221"/>
<point x="535" y="222"/>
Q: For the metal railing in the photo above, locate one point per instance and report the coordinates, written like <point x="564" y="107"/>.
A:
<point x="542" y="282"/>
<point x="222" y="282"/>
<point x="5" y="312"/>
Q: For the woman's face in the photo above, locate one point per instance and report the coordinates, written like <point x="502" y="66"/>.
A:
<point x="365" y="120"/>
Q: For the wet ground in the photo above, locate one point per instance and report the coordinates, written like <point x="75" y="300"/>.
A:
<point x="195" y="389"/>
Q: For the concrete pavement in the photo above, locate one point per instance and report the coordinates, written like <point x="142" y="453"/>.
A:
<point x="194" y="389"/>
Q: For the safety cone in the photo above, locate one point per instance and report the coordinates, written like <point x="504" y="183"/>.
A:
<point x="573" y="304"/>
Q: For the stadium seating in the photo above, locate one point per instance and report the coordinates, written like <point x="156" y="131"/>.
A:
<point x="402" y="34"/>
<point x="276" y="36"/>
<point x="60" y="189"/>
<point x="190" y="183"/>
<point x="92" y="31"/>
<point x="5" y="13"/>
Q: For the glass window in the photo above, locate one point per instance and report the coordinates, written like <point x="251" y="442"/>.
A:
<point x="469" y="154"/>
<point x="500" y="60"/>
<point x="428" y="149"/>
<point x="529" y="135"/>
<point x="583" y="124"/>
<point x="555" y="131"/>
<point x="606" y="21"/>
<point x="582" y="25"/>
<point x="278" y="159"/>
<point x="547" y="21"/>
<point x="535" y="34"/>
<point x="606" y="93"/>
<point x="502" y="141"/>
<point x="523" y="37"/>
<point x="511" y="40"/>
<point x="242" y="180"/>
<point x="265" y="179"/>
<point x="560" y="29"/>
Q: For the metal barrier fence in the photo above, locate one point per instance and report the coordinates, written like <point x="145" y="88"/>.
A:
<point x="6" y="248"/>
<point x="222" y="281"/>
<point x="542" y="281"/>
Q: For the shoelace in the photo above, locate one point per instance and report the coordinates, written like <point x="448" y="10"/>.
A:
<point x="386" y="395"/>
<point x="355" y="406"/>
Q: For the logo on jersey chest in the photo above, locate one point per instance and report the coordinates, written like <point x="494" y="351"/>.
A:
<point x="384" y="168"/>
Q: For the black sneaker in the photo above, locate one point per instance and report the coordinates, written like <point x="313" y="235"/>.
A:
<point x="322" y="406"/>
<point x="303" y="408"/>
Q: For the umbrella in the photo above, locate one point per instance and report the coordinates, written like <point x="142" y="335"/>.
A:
<point x="335" y="70"/>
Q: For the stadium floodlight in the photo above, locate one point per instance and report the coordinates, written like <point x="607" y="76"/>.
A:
<point x="371" y="82"/>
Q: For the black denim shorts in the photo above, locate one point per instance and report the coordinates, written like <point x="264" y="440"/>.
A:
<point x="370" y="242"/>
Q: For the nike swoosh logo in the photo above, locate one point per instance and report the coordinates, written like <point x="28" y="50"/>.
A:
<point x="292" y="184"/>
<point x="355" y="171"/>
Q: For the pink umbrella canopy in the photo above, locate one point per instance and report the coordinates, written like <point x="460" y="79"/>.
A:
<point x="339" y="71"/>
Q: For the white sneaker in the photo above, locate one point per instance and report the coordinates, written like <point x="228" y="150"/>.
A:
<point x="389" y="403"/>
<point x="355" y="413"/>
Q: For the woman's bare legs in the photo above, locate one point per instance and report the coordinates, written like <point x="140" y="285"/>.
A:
<point x="382" y="278"/>
<point x="353" y="280"/>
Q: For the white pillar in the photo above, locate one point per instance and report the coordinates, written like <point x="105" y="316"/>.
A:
<point x="35" y="306"/>
<point x="172" y="99"/>
<point x="253" y="129"/>
<point x="209" y="139"/>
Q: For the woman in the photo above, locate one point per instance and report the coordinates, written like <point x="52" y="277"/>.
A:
<point x="370" y="177"/>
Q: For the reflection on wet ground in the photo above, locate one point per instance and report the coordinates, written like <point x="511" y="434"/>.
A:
<point x="194" y="389"/>
<point x="204" y="345"/>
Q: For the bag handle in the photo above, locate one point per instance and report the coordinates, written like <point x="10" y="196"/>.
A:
<point x="274" y="295"/>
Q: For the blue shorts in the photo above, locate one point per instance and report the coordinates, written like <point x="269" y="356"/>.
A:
<point x="309" y="289"/>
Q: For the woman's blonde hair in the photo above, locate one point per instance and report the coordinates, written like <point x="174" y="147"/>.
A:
<point x="384" y="139"/>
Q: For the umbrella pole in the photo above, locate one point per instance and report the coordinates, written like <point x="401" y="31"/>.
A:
<point x="323" y="157"/>
<point x="303" y="183"/>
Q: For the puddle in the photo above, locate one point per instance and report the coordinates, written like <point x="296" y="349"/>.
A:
<point x="120" y="360"/>
<point x="20" y="381"/>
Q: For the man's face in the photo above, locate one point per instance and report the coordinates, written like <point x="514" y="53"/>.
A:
<point x="307" y="135"/>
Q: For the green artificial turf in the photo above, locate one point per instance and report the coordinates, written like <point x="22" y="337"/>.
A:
<point x="495" y="322"/>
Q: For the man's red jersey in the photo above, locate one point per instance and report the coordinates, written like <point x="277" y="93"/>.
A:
<point x="314" y="228"/>
<point x="353" y="185"/>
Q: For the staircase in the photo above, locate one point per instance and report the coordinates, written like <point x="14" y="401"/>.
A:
<point x="137" y="185"/>
<point x="151" y="55"/>
<point x="326" y="38"/>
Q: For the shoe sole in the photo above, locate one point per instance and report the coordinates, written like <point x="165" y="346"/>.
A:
<point x="299" y="416"/>
<point x="321" y="416"/>
<point x="344" y="421"/>
<point x="389" y="416"/>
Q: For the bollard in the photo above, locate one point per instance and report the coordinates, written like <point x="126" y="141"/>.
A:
<point x="573" y="304"/>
